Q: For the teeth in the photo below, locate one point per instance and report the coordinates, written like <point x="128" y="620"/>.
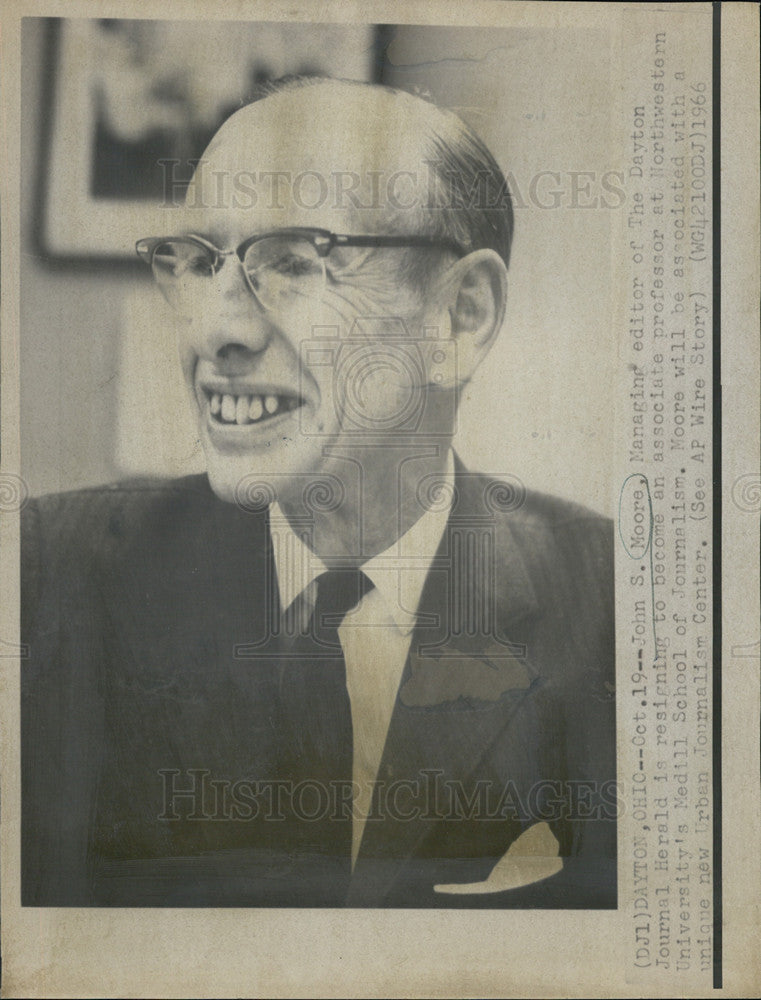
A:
<point x="228" y="408"/>
<point x="241" y="410"/>
<point x="248" y="409"/>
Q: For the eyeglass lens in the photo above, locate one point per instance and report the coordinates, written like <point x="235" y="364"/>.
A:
<point x="278" y="269"/>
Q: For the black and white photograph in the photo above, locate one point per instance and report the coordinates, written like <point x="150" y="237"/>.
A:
<point x="338" y="667"/>
<point x="368" y="498"/>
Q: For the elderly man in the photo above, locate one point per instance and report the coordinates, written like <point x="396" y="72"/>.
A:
<point x="339" y="669"/>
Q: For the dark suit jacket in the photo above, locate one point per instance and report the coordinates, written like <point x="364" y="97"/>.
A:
<point x="154" y="668"/>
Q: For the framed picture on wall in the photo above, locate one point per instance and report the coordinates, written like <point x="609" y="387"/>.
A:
<point x="135" y="102"/>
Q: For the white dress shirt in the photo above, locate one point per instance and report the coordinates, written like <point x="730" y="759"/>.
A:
<point x="375" y="636"/>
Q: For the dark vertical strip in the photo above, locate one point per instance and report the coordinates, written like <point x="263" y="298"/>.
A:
<point x="384" y="34"/>
<point x="716" y="239"/>
<point x="48" y="63"/>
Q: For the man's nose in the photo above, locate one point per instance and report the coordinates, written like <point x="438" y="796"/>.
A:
<point x="230" y="322"/>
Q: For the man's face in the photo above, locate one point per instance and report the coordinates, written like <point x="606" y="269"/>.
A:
<point x="280" y="390"/>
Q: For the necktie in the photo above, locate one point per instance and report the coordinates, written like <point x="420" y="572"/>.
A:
<point x="317" y="743"/>
<point x="338" y="591"/>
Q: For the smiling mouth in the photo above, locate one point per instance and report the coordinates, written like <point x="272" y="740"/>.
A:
<point x="228" y="409"/>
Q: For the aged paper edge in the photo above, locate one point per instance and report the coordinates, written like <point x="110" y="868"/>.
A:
<point x="215" y="953"/>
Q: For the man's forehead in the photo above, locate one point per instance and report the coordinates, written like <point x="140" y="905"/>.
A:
<point x="324" y="157"/>
<point x="327" y="127"/>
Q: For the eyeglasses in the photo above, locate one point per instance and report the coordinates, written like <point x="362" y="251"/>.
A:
<point x="278" y="266"/>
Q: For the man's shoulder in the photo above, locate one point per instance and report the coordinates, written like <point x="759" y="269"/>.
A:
<point x="144" y="536"/>
<point x="139" y="491"/>
<point x="525" y="512"/>
<point x="557" y="549"/>
<point x="131" y="496"/>
<point x="134" y="511"/>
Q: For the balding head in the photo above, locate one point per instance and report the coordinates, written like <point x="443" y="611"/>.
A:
<point x="351" y="156"/>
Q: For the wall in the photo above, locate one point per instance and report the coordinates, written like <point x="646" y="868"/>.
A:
<point x="70" y="330"/>
<point x="541" y="407"/>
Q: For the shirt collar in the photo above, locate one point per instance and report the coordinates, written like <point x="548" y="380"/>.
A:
<point x="398" y="574"/>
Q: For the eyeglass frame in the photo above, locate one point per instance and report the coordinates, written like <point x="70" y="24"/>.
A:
<point x="322" y="240"/>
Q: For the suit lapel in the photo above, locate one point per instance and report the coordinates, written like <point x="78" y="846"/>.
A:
<point x="468" y="684"/>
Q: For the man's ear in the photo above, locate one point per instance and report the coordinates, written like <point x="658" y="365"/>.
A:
<point x="475" y="295"/>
